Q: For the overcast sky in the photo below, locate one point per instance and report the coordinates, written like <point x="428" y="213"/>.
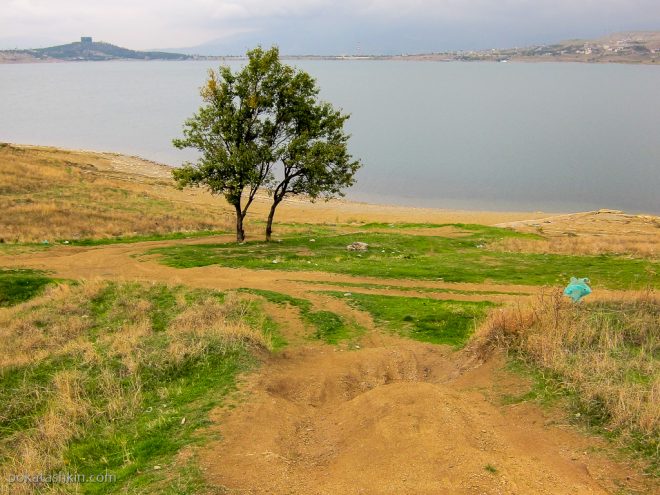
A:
<point x="319" y="26"/>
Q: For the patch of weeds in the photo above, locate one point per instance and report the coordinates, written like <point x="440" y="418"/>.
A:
<point x="329" y="327"/>
<point x="164" y="307"/>
<point x="490" y="468"/>
<point x="548" y="389"/>
<point x="132" y="449"/>
<point x="427" y="320"/>
<point x="400" y="255"/>
<point x="17" y="286"/>
<point x="142" y="238"/>
<point x="403" y="288"/>
<point x="131" y="395"/>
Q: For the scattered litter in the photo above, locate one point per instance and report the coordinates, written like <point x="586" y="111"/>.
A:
<point x="577" y="289"/>
<point x="357" y="246"/>
<point x="65" y="242"/>
<point x="275" y="261"/>
<point x="183" y="421"/>
<point x="312" y="240"/>
<point x="156" y="468"/>
<point x="45" y="242"/>
<point x="347" y="294"/>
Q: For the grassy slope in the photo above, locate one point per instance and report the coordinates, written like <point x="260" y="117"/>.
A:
<point x="397" y="255"/>
<point x="329" y="327"/>
<point x="53" y="195"/>
<point x="427" y="320"/>
<point x="101" y="376"/>
<point x="603" y="357"/>
<point x="17" y="286"/>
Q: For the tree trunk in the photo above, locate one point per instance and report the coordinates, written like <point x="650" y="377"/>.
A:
<point x="240" y="231"/>
<point x="271" y="215"/>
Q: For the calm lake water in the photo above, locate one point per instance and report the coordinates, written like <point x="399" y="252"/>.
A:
<point x="552" y="137"/>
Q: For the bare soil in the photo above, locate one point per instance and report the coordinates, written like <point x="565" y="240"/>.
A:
<point x="398" y="417"/>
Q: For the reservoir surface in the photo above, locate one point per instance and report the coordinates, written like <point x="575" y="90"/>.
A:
<point x="516" y="136"/>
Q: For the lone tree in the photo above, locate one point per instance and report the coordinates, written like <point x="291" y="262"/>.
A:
<point x="265" y="115"/>
<point x="311" y="146"/>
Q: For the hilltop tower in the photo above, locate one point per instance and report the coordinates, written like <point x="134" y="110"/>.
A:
<point x="85" y="40"/>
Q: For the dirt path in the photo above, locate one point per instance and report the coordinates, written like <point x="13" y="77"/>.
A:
<point x="127" y="262"/>
<point x="391" y="416"/>
<point x="395" y="418"/>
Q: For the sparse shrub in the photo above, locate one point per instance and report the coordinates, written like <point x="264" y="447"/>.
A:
<point x="80" y="364"/>
<point x="603" y="354"/>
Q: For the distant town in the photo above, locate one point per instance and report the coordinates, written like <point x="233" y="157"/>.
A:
<point x="634" y="47"/>
<point x="641" y="47"/>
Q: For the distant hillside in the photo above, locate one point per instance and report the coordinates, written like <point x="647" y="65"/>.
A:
<point x="85" y="50"/>
<point x="641" y="47"/>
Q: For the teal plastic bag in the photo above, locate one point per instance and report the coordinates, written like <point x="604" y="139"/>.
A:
<point x="578" y="288"/>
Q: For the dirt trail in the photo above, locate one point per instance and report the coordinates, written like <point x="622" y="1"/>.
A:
<point x="127" y="262"/>
<point x="395" y="418"/>
<point x="389" y="417"/>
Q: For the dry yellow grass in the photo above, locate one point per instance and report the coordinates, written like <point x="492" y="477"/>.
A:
<point x="640" y="245"/>
<point x="606" y="353"/>
<point x="49" y="193"/>
<point x="592" y="232"/>
<point x="67" y="331"/>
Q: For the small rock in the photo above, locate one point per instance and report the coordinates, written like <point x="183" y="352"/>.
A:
<point x="183" y="421"/>
<point x="156" y="468"/>
<point x="358" y="246"/>
<point x="275" y="262"/>
<point x="347" y="294"/>
<point x="312" y="240"/>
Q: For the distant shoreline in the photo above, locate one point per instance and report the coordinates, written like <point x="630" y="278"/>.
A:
<point x="6" y="59"/>
<point x="640" y="47"/>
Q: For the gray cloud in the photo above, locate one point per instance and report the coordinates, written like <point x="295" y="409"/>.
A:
<point x="319" y="26"/>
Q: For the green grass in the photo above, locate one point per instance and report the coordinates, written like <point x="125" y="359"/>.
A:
<point x="134" y="440"/>
<point x="549" y="390"/>
<point x="398" y="255"/>
<point x="545" y="389"/>
<point x="430" y="290"/>
<point x="329" y="327"/>
<point x="426" y="320"/>
<point x="142" y="238"/>
<point x="17" y="286"/>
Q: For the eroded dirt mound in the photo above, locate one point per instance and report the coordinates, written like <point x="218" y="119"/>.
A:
<point x="389" y="420"/>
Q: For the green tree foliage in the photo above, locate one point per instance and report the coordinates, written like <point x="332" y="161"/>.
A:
<point x="234" y="131"/>
<point x="265" y="115"/>
<point x="312" y="146"/>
